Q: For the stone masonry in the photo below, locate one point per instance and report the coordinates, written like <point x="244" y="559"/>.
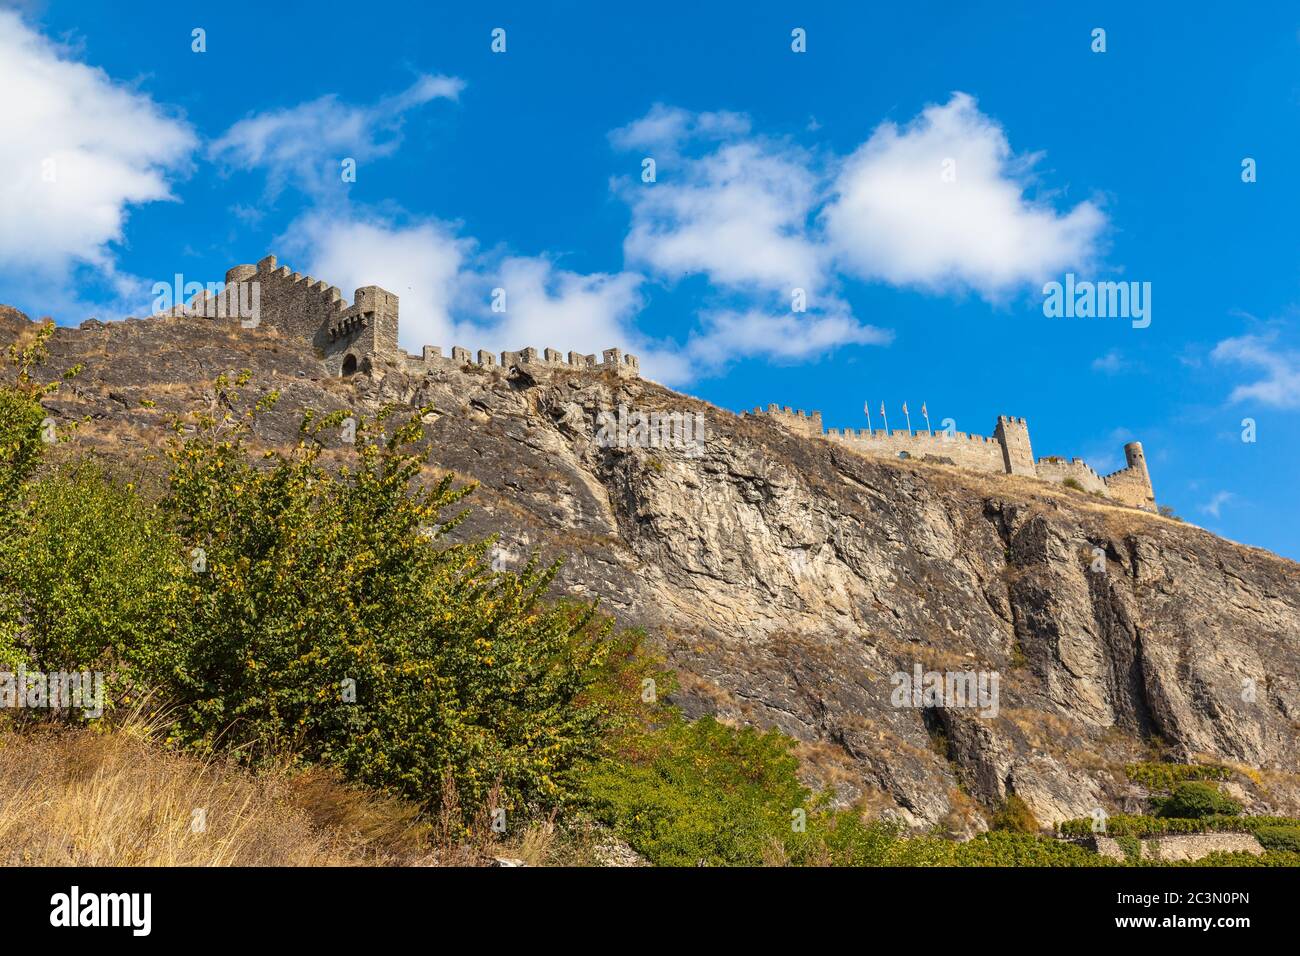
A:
<point x="362" y="335"/>
<point x="1007" y="452"/>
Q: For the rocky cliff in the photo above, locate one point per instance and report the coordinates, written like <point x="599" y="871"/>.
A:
<point x="788" y="579"/>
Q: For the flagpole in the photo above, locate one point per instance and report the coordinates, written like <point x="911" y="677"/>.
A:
<point x="908" y="417"/>
<point x="885" y="416"/>
<point x="926" y="413"/>
<point x="866" y="407"/>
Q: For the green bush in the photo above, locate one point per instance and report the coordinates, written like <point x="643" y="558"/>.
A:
<point x="1022" y="849"/>
<point x="333" y="620"/>
<point x="90" y="570"/>
<point x="1131" y="846"/>
<point x="703" y="793"/>
<point x="1147" y="826"/>
<point x="1279" y="838"/>
<point x="24" y="438"/>
<point x="1193" y="799"/>
<point x="1015" y="816"/>
<point x="1163" y="776"/>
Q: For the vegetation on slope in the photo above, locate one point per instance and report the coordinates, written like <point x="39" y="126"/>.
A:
<point x="286" y="615"/>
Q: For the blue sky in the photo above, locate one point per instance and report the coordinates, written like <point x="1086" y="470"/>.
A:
<point x="774" y="170"/>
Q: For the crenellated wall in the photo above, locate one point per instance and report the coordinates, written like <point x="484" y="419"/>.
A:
<point x="1132" y="484"/>
<point x="612" y="360"/>
<point x="1058" y="470"/>
<point x="1007" y="452"/>
<point x="355" y="337"/>
<point x="974" y="452"/>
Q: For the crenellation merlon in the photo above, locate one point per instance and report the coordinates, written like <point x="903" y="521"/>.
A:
<point x="1007" y="451"/>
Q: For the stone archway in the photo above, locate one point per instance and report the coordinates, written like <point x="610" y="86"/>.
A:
<point x="349" y="365"/>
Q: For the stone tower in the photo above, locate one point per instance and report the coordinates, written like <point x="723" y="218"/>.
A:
<point x="1132" y="484"/>
<point x="1013" y="435"/>
<point x="366" y="330"/>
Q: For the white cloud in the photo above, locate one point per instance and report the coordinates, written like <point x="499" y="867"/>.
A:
<point x="736" y="210"/>
<point x="737" y="215"/>
<point x="444" y="290"/>
<point x="894" y="218"/>
<point x="1280" y="386"/>
<point x="420" y="263"/>
<point x="790" y="337"/>
<point x="1112" y="363"/>
<point x="663" y="130"/>
<point x="305" y="144"/>
<point x="1215" y="505"/>
<point x="106" y="146"/>
<point x="547" y="306"/>
<point x="758" y="217"/>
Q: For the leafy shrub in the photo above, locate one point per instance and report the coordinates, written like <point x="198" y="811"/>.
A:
<point x="1072" y="484"/>
<point x="1022" y="849"/>
<point x="1279" y="838"/>
<point x="1015" y="817"/>
<point x="90" y="570"/>
<point x="1193" y="799"/>
<point x="1131" y="846"/>
<point x="1147" y="826"/>
<point x="23" y="440"/>
<point x="1163" y="776"/>
<point x="702" y="793"/>
<point x="22" y="437"/>
<point x="332" y="620"/>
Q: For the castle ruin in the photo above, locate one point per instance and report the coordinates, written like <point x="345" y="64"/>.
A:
<point x="361" y="336"/>
<point x="1006" y="452"/>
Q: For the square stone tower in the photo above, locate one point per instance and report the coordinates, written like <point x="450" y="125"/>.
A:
<point x="1013" y="435"/>
<point x="365" y="331"/>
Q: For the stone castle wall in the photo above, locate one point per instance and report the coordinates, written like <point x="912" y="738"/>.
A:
<point x="1058" y="470"/>
<point x="613" y="360"/>
<point x="356" y="336"/>
<point x="1007" y="452"/>
<point x="973" y="452"/>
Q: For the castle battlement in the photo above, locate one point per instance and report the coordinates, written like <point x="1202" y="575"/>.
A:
<point x="1006" y="452"/>
<point x="611" y="360"/>
<point x="361" y="335"/>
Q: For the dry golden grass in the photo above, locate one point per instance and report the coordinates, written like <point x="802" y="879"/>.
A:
<point x="116" y="798"/>
<point x="71" y="797"/>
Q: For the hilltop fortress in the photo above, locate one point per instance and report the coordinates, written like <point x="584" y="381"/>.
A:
<point x="361" y="336"/>
<point x="1007" y="452"/>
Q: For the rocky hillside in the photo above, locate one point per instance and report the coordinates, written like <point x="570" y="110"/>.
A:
<point x="787" y="578"/>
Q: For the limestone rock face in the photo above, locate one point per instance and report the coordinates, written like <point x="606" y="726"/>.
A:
<point x="789" y="579"/>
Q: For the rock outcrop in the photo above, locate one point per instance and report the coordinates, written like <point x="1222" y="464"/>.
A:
<point x="789" y="579"/>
